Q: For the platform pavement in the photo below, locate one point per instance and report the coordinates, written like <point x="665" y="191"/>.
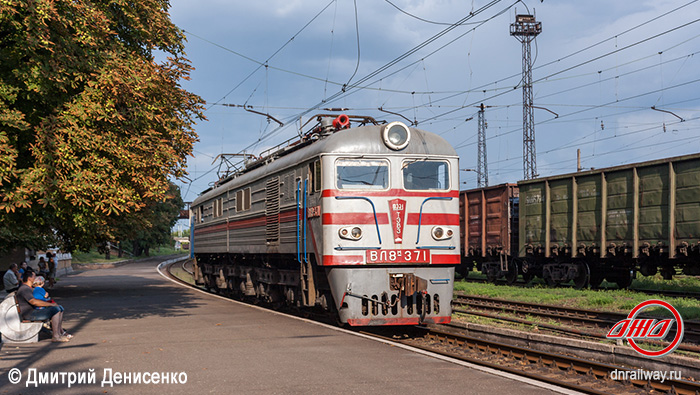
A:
<point x="130" y="319"/>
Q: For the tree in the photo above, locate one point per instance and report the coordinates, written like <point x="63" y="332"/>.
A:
<point x="151" y="228"/>
<point x="161" y="217"/>
<point x="91" y="125"/>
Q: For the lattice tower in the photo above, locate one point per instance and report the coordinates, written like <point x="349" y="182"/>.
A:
<point x="525" y="29"/>
<point x="482" y="169"/>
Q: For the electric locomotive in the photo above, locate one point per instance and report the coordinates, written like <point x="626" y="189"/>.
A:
<point x="360" y="221"/>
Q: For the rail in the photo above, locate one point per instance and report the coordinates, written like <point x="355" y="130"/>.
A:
<point x="580" y="322"/>
<point x="565" y="371"/>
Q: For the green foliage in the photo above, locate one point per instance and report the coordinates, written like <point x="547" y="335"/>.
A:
<point x="152" y="228"/>
<point x="91" y="127"/>
<point x="94" y="256"/>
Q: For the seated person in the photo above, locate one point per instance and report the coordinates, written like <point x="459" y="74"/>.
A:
<point x="22" y="268"/>
<point x="28" y="308"/>
<point x="40" y="293"/>
<point x="11" y="278"/>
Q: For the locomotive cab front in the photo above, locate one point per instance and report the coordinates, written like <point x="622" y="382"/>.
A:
<point x="390" y="225"/>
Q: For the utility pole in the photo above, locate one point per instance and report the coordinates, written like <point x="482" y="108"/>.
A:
<point x="525" y="29"/>
<point x="482" y="166"/>
<point x="578" y="160"/>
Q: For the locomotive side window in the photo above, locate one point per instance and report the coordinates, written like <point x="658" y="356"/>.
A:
<point x="315" y="176"/>
<point x="420" y="175"/>
<point x="362" y="174"/>
<point x="218" y="207"/>
<point x="243" y="200"/>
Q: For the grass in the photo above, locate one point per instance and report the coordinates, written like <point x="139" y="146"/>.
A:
<point x="95" y="257"/>
<point x="616" y="300"/>
<point x="681" y="283"/>
<point x="678" y="283"/>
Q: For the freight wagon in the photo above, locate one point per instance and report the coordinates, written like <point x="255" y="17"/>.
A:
<point x="593" y="225"/>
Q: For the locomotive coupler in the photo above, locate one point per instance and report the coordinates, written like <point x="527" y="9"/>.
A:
<point x="407" y="283"/>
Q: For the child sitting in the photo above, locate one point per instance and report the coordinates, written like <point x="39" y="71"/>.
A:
<point x="40" y="293"/>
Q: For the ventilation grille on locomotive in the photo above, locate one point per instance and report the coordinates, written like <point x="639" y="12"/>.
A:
<point x="272" y="209"/>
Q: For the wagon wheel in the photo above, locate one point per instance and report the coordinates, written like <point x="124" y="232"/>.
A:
<point x="595" y="279"/>
<point x="648" y="268"/>
<point x="551" y="282"/>
<point x="584" y="274"/>
<point x="492" y="275"/>
<point x="465" y="268"/>
<point x="624" y="280"/>
<point x="512" y="274"/>
<point x="528" y="276"/>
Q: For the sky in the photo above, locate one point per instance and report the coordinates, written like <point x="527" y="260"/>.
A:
<point x="598" y="69"/>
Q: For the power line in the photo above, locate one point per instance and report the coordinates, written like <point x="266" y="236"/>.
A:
<point x="388" y="65"/>
<point x="425" y="20"/>
<point x="265" y="64"/>
<point x="601" y="105"/>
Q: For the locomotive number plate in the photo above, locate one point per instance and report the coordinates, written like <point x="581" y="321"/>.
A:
<point x="398" y="256"/>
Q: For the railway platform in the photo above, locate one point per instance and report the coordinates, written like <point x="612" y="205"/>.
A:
<point x="137" y="332"/>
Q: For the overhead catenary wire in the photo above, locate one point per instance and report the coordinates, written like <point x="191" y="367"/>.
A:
<point x="600" y="105"/>
<point x="265" y="63"/>
<point x="386" y="66"/>
<point x="426" y="20"/>
<point x="477" y="89"/>
<point x="271" y="132"/>
<point x="367" y="77"/>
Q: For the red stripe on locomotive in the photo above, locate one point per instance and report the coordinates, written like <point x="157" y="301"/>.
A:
<point x="389" y="193"/>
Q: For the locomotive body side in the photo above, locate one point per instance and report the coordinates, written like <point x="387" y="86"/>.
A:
<point x="344" y="222"/>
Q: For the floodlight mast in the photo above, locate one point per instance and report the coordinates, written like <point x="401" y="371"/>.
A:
<point x="525" y="29"/>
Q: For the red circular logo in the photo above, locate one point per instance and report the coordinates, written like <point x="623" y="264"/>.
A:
<point x="679" y="332"/>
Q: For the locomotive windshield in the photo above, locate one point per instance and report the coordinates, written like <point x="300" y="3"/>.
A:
<point x="421" y="175"/>
<point x="362" y="174"/>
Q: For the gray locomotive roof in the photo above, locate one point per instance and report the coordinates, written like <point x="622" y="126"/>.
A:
<point x="365" y="140"/>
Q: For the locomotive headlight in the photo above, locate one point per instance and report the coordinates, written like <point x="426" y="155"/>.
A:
<point x="350" y="233"/>
<point x="396" y="135"/>
<point x="440" y="233"/>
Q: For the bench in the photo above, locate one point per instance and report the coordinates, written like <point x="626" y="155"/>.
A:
<point x="12" y="327"/>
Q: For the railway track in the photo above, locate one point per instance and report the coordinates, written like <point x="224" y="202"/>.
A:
<point x="579" y="322"/>
<point x="566" y="371"/>
<point x="562" y="370"/>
